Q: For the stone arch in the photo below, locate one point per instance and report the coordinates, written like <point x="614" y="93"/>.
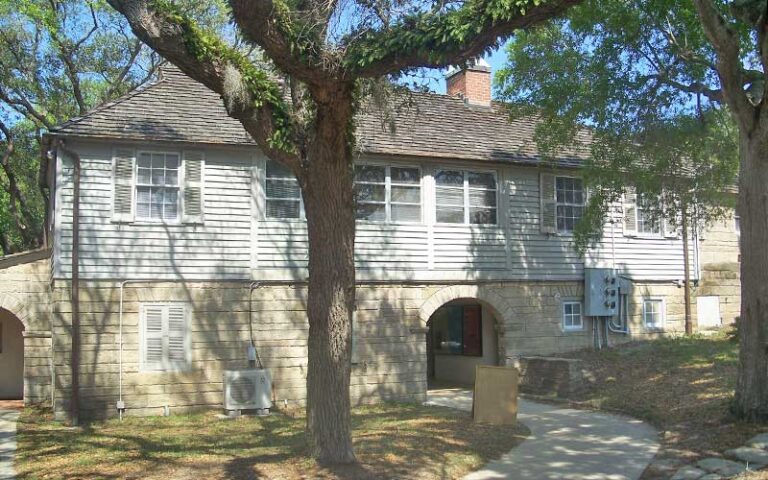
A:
<point x="16" y="307"/>
<point x="500" y="308"/>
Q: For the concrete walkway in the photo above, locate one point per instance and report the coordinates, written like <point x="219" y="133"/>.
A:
<point x="566" y="444"/>
<point x="7" y="443"/>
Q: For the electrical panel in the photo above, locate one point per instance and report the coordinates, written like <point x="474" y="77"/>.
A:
<point x="601" y="292"/>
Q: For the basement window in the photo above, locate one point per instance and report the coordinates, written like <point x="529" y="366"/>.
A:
<point x="653" y="313"/>
<point x="165" y="343"/>
<point x="572" y="319"/>
<point x="457" y="330"/>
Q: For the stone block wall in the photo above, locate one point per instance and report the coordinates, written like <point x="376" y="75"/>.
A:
<point x="25" y="293"/>
<point x="390" y="361"/>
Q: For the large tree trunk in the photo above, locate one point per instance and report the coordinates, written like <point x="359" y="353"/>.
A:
<point x="751" y="401"/>
<point x="327" y="185"/>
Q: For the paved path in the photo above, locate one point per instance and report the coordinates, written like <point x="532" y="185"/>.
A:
<point x="7" y="443"/>
<point x="566" y="444"/>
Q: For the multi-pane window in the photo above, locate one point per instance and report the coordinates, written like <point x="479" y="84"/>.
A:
<point x="646" y="223"/>
<point x="569" y="197"/>
<point x="157" y="186"/>
<point x="165" y="337"/>
<point x="283" y="195"/>
<point x="465" y="197"/>
<point x="572" y="319"/>
<point x="653" y="313"/>
<point x="388" y="194"/>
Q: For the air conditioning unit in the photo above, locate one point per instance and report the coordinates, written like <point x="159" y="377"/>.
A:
<point x="248" y="390"/>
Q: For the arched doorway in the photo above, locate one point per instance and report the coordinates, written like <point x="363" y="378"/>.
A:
<point x="461" y="334"/>
<point x="11" y="356"/>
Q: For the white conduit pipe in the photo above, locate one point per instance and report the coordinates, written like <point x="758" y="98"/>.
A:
<point x="121" y="405"/>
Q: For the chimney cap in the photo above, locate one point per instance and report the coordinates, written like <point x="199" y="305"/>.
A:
<point x="477" y="65"/>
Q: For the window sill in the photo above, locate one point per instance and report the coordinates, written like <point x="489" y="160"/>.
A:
<point x="573" y="330"/>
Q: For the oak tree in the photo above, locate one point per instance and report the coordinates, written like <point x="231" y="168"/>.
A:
<point x="655" y="80"/>
<point x="297" y="96"/>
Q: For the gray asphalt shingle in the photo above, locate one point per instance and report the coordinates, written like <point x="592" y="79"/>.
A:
<point x="179" y="109"/>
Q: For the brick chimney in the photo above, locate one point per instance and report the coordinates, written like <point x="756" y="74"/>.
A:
<point x="472" y="83"/>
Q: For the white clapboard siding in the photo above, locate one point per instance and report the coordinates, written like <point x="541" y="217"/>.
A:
<point x="234" y="241"/>
<point x="216" y="249"/>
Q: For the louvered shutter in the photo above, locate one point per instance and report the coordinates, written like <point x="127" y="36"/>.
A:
<point x="630" y="211"/>
<point x="194" y="163"/>
<point x="123" y="187"/>
<point x="548" y="212"/>
<point x="178" y="357"/>
<point x="153" y="337"/>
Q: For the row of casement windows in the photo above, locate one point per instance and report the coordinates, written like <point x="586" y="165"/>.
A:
<point x="168" y="187"/>
<point x="653" y="314"/>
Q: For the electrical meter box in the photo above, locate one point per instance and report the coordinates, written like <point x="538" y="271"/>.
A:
<point x="601" y="292"/>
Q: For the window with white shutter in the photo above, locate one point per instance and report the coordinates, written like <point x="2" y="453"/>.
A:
<point x="165" y="337"/>
<point x="194" y="166"/>
<point x="157" y="186"/>
<point x="630" y="211"/>
<point x="548" y="211"/>
<point x="122" y="177"/>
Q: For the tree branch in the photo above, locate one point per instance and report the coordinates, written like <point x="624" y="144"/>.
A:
<point x="429" y="40"/>
<point x="729" y="68"/>
<point x="248" y="93"/>
<point x="294" y="48"/>
<point x="21" y="215"/>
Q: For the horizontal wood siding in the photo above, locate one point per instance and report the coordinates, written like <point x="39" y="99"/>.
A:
<point x="220" y="248"/>
<point x="237" y="242"/>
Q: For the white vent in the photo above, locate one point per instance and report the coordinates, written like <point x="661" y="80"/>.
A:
<point x="247" y="389"/>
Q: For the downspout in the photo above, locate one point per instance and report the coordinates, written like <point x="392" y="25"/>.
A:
<point x="686" y="273"/>
<point x="253" y="355"/>
<point x="75" y="288"/>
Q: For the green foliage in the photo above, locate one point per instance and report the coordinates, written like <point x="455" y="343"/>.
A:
<point x="57" y="60"/>
<point x="639" y="75"/>
<point x="208" y="46"/>
<point x="439" y="35"/>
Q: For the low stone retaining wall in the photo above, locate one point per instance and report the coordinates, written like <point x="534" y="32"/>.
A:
<point x="563" y="377"/>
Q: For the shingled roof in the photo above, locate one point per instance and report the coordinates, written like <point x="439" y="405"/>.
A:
<point x="176" y="108"/>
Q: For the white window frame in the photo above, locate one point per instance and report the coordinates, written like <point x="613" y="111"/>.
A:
<point x="737" y="224"/>
<point x="662" y="313"/>
<point x="302" y="216"/>
<point x="167" y="365"/>
<point x="179" y="188"/>
<point x="465" y="188"/>
<point x="388" y="193"/>
<point x="568" y="204"/>
<point x="572" y="328"/>
<point x="640" y="210"/>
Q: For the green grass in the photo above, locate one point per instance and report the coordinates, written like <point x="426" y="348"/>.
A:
<point x="401" y="441"/>
<point x="684" y="386"/>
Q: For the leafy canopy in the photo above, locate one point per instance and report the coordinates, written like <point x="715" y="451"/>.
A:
<point x="640" y="75"/>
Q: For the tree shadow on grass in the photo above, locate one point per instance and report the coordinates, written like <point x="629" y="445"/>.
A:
<point x="392" y="441"/>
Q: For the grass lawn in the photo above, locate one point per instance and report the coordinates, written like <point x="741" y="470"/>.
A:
<point x="391" y="441"/>
<point x="683" y="386"/>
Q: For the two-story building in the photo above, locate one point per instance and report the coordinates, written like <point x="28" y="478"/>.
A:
<point x="192" y="246"/>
